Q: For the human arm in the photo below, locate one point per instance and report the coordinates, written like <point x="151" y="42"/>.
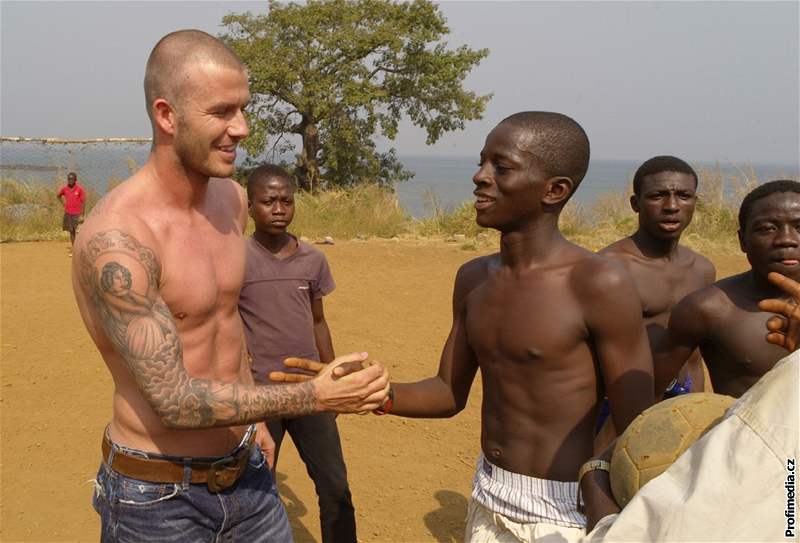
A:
<point x="150" y="346"/>
<point x="442" y="395"/>
<point x="445" y="394"/>
<point x="595" y="489"/>
<point x="688" y="326"/>
<point x="322" y="334"/>
<point x="614" y="320"/>
<point x="263" y="437"/>
<point x="783" y="328"/>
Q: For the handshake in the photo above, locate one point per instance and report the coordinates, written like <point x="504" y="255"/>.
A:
<point x="349" y="384"/>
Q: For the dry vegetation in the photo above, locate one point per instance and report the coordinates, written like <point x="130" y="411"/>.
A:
<point x="30" y="211"/>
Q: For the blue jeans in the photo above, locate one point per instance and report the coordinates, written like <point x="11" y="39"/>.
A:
<point x="139" y="511"/>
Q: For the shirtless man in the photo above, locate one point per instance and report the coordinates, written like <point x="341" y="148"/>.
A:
<point x="717" y="476"/>
<point x="664" y="197"/>
<point x="724" y="319"/>
<point x="157" y="278"/>
<point x="552" y="327"/>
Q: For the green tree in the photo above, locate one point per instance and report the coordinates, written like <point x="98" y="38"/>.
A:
<point x="339" y="72"/>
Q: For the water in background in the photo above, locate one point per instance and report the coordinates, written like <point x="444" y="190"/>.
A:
<point x="448" y="178"/>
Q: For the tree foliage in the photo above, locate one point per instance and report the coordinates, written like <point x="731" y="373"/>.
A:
<point x="339" y="72"/>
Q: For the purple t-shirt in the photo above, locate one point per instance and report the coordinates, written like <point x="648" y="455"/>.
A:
<point x="275" y="304"/>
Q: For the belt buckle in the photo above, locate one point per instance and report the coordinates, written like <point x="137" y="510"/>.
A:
<point x="211" y="477"/>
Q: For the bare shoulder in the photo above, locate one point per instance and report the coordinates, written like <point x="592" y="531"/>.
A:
<point x="229" y="189"/>
<point x="710" y="302"/>
<point x="231" y="197"/>
<point x="621" y="249"/>
<point x="597" y="275"/>
<point x="475" y="271"/>
<point x="471" y="274"/>
<point x="700" y="263"/>
<point x="117" y="226"/>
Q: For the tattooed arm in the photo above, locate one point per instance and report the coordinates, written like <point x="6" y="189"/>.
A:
<point x="121" y="276"/>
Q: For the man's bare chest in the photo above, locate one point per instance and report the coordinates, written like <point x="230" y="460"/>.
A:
<point x="202" y="273"/>
<point x="535" y="321"/>
<point x="661" y="289"/>
<point x="737" y="345"/>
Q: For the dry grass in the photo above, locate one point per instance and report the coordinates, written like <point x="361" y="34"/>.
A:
<point x="32" y="212"/>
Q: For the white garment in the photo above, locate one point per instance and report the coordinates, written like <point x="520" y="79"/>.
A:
<point x="733" y="484"/>
<point x="526" y="499"/>
<point x="485" y="526"/>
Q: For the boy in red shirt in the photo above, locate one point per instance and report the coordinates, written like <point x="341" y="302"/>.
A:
<point x="281" y="308"/>
<point x="73" y="196"/>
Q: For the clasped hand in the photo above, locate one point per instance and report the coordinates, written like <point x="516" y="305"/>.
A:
<point x="349" y="384"/>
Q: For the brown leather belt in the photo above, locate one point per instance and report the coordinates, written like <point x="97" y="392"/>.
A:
<point x="218" y="473"/>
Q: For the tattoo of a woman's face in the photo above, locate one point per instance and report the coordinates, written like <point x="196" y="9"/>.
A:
<point x="122" y="278"/>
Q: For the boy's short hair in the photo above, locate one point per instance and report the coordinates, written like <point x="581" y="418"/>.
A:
<point x="72" y="175"/>
<point x="559" y="143"/>
<point x="658" y="164"/>
<point x="762" y="191"/>
<point x="263" y="173"/>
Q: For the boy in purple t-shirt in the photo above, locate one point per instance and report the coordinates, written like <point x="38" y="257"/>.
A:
<point x="281" y="307"/>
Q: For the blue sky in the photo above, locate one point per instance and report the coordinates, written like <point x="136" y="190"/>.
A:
<point x="702" y="80"/>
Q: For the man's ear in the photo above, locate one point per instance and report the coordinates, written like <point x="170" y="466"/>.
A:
<point x="635" y="203"/>
<point x="164" y="116"/>
<point x="740" y="233"/>
<point x="558" y="190"/>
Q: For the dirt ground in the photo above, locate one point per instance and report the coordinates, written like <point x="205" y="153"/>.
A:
<point x="410" y="478"/>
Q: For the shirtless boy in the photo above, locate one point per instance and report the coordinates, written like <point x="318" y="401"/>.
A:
<point x="552" y="327"/>
<point x="724" y="319"/>
<point x="159" y="265"/>
<point x="664" y="198"/>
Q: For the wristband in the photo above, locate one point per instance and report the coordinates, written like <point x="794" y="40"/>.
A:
<point x="591" y="465"/>
<point x="387" y="405"/>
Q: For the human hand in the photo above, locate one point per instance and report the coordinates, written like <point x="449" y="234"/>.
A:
<point x="339" y="389"/>
<point x="311" y="366"/>
<point x="267" y="444"/>
<point x="783" y="328"/>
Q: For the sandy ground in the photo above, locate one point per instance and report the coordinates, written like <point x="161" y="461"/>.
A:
<point x="410" y="478"/>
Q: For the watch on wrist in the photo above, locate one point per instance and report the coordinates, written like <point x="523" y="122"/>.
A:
<point x="591" y="465"/>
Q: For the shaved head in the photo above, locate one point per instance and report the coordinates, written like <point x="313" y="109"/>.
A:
<point x="557" y="141"/>
<point x="165" y="76"/>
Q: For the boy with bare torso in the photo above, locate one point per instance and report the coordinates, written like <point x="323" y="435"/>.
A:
<point x="552" y="328"/>
<point x="724" y="319"/>
<point x="664" y="198"/>
<point x="159" y="265"/>
<point x="550" y="325"/>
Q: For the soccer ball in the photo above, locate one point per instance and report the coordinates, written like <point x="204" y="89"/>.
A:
<point x="658" y="436"/>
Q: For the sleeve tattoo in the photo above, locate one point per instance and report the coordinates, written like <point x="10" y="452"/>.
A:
<point x="121" y="277"/>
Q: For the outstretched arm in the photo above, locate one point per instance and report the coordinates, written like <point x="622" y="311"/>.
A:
<point x="446" y="394"/>
<point x="113" y="262"/>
